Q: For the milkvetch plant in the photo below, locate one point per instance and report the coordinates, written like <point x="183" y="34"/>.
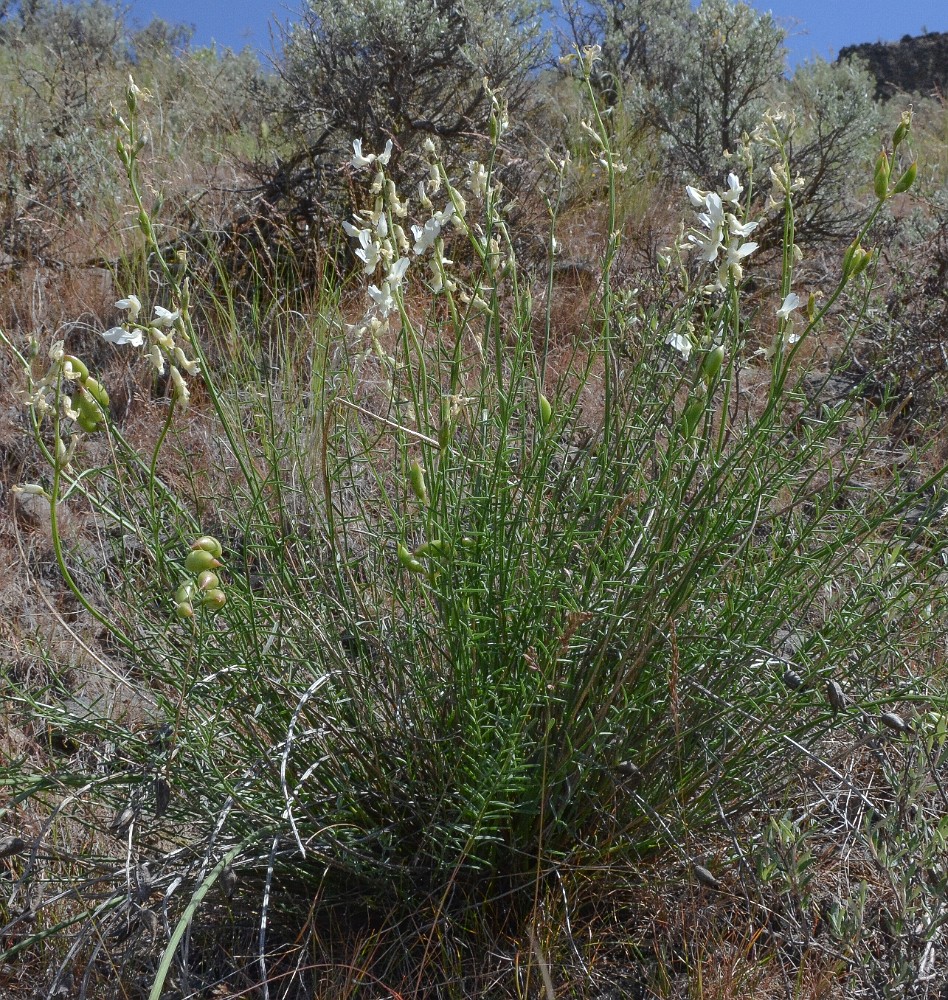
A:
<point x="488" y="625"/>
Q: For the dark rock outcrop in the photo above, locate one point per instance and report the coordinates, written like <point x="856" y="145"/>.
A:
<point x="914" y="64"/>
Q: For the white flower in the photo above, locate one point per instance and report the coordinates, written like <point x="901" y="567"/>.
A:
<point x="397" y="272"/>
<point x="156" y="358"/>
<point x="425" y="236"/>
<point x="382" y="297"/>
<point x="791" y="302"/>
<point x="369" y="252"/>
<point x="477" y="181"/>
<point x="354" y="231"/>
<point x="696" y="196"/>
<point x="165" y="318"/>
<point x="119" y="335"/>
<point x="681" y="342"/>
<point x="179" y="389"/>
<point x="358" y="160"/>
<point x="133" y="304"/>
<point x="734" y="189"/>
<point x="385" y="156"/>
<point x="31" y="489"/>
<point x="731" y="265"/>
<point x="736" y="228"/>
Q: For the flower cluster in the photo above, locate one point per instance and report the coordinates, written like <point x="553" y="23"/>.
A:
<point x="81" y="399"/>
<point x="720" y="238"/>
<point x="163" y="334"/>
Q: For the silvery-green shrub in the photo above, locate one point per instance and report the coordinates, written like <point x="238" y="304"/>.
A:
<point x="404" y="69"/>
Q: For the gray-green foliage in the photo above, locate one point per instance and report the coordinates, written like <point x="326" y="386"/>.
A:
<point x="700" y="80"/>
<point x="60" y="65"/>
<point x="380" y="69"/>
<point x="710" y="80"/>
<point x="837" y="127"/>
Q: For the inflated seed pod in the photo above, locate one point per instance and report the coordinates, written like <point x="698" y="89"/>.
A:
<point x="199" y="560"/>
<point x="209" y="544"/>
<point x="208" y="580"/>
<point x="214" y="600"/>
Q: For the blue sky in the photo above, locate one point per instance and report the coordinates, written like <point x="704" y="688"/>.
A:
<point x="817" y="27"/>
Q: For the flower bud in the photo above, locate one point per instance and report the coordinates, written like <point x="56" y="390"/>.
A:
<point x="546" y="410"/>
<point x="902" y="130"/>
<point x="881" y="176"/>
<point x="692" y="415"/>
<point x="416" y="477"/>
<point x="199" y="560"/>
<point x="209" y="544"/>
<point x="711" y="365"/>
<point x="860" y="261"/>
<point x="906" y="180"/>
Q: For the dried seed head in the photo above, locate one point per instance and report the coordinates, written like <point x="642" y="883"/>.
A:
<point x="162" y="796"/>
<point x="229" y="881"/>
<point x="835" y="696"/>
<point x="893" y="721"/>
<point x="122" y="820"/>
<point x="149" y="920"/>
<point x="793" y="680"/>
<point x="705" y="877"/>
<point x="11" y="845"/>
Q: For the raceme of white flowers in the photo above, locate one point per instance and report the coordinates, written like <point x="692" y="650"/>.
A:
<point x="720" y="237"/>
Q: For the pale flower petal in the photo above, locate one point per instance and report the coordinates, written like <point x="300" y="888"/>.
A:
<point x="119" y="335"/>
<point x="133" y="304"/>
<point x="164" y="317"/>
<point x="384" y="157"/>
<point x="681" y="343"/>
<point x="358" y="160"/>
<point x="791" y="302"/>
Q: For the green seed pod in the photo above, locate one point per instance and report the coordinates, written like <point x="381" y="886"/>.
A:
<point x="97" y="391"/>
<point x="208" y="580"/>
<point x="408" y="560"/>
<point x="199" y="560"/>
<point x="90" y="416"/>
<point x="79" y="367"/>
<point x="906" y="180"/>
<point x="881" y="176"/>
<point x="214" y="600"/>
<point x="208" y="543"/>
<point x="711" y="365"/>
<point x="184" y="593"/>
<point x="692" y="415"/>
<point x="546" y="410"/>
<point x="416" y="477"/>
<point x="184" y="610"/>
